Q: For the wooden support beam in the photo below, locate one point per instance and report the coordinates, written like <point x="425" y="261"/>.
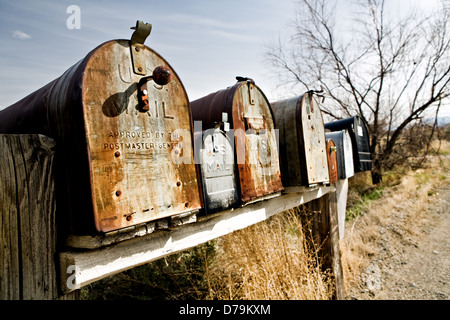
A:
<point x="320" y="222"/>
<point x="81" y="268"/>
<point x="27" y="218"/>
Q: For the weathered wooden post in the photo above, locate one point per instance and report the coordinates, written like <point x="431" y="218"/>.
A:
<point x="28" y="260"/>
<point x="321" y="223"/>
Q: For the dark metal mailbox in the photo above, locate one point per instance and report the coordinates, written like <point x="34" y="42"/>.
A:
<point x="255" y="142"/>
<point x="360" y="140"/>
<point x="344" y="153"/>
<point x="302" y="141"/>
<point x="123" y="128"/>
<point x="215" y="158"/>
<point x="332" y="161"/>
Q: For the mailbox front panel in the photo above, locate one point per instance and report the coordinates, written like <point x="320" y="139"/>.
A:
<point x="255" y="143"/>
<point x="302" y="141"/>
<point x="218" y="172"/>
<point x="141" y="162"/>
<point x="332" y="161"/>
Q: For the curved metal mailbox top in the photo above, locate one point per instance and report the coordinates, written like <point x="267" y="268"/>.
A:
<point x="255" y="138"/>
<point x="123" y="165"/>
<point x="302" y="140"/>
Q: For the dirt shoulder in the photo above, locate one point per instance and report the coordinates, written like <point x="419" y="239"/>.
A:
<point x="411" y="264"/>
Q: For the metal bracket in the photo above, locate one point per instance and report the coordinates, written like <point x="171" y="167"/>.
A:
<point x="141" y="32"/>
<point x="251" y="86"/>
<point x="251" y="92"/>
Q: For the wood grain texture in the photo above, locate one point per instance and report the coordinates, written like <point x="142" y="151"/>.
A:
<point x="321" y="224"/>
<point x="27" y="218"/>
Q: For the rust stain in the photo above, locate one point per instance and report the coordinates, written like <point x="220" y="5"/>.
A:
<point x="332" y="161"/>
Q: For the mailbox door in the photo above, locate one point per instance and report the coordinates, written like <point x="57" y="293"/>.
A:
<point x="218" y="176"/>
<point x="141" y="163"/>
<point x="313" y="143"/>
<point x="332" y="161"/>
<point x="302" y="141"/>
<point x="255" y="143"/>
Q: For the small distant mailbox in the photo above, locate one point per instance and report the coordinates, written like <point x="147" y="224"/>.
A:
<point x="302" y="141"/>
<point x="344" y="153"/>
<point x="215" y="158"/>
<point x="251" y="124"/>
<point x="122" y="125"/>
<point x="360" y="140"/>
<point x="332" y="161"/>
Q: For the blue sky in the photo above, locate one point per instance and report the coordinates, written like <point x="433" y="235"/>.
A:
<point x="207" y="42"/>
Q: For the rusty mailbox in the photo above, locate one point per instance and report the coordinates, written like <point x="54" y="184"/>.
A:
<point x="123" y="128"/>
<point x="302" y="141"/>
<point x="253" y="136"/>
<point x="344" y="153"/>
<point x="357" y="129"/>
<point x="215" y="158"/>
<point x="332" y="161"/>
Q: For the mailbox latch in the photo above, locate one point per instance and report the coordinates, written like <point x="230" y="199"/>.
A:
<point x="141" y="32"/>
<point x="161" y="76"/>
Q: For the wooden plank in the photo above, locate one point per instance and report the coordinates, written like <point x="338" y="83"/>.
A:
<point x="27" y="218"/>
<point x="81" y="268"/>
<point x="9" y="236"/>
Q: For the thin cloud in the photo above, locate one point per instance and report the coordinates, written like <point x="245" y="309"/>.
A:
<point x="20" y="35"/>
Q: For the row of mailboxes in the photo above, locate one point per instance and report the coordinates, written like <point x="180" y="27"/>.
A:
<point x="251" y="129"/>
<point x="128" y="155"/>
<point x="358" y="133"/>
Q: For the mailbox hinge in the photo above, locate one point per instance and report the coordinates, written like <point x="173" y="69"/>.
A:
<point x="141" y="32"/>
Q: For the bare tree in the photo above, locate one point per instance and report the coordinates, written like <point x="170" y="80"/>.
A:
<point x="389" y="69"/>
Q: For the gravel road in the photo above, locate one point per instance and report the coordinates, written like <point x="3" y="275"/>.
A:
<point x="411" y="266"/>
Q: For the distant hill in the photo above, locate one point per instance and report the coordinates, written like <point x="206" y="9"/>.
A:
<point x="442" y="121"/>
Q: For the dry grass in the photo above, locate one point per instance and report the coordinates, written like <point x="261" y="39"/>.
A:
<point x="270" y="260"/>
<point x="406" y="200"/>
